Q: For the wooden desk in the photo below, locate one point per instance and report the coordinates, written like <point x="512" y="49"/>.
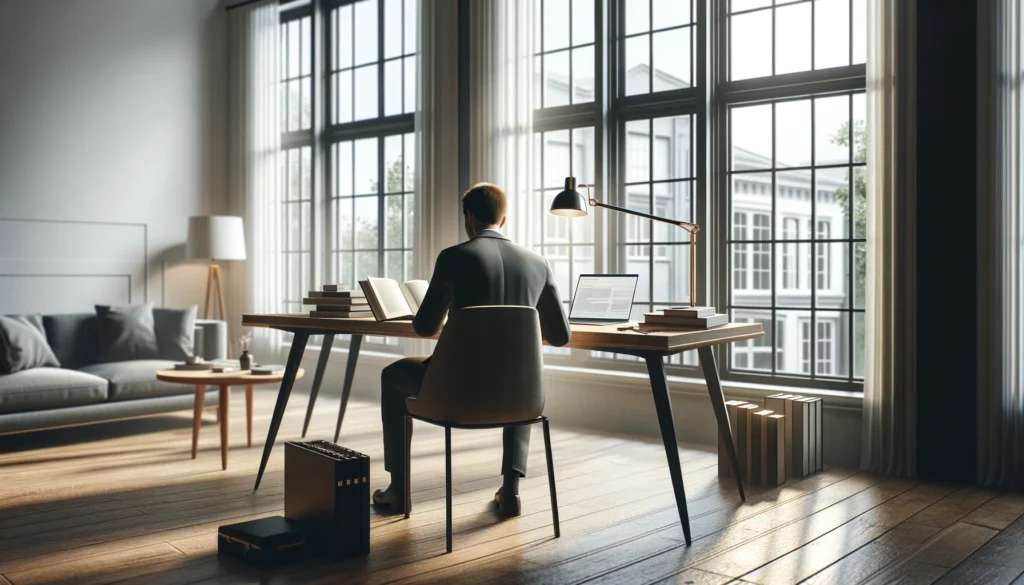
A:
<point x="652" y="347"/>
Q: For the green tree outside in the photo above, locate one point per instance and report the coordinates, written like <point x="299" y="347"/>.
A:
<point x="860" y="216"/>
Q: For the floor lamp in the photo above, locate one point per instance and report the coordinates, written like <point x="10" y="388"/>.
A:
<point x="570" y="203"/>
<point x="215" y="238"/>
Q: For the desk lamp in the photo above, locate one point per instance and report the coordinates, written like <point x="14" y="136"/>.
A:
<point x="570" y="203"/>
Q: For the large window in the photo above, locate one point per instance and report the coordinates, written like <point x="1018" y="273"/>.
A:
<point x="745" y="116"/>
<point x="793" y="113"/>
<point x="635" y="157"/>
<point x="371" y="62"/>
<point x="362" y="223"/>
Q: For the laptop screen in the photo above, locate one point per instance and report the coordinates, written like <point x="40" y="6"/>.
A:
<point x="603" y="297"/>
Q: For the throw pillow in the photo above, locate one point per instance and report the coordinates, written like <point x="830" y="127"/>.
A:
<point x="175" y="332"/>
<point x="126" y="333"/>
<point x="23" y="345"/>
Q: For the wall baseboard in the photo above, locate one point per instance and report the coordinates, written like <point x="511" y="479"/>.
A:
<point x="618" y="402"/>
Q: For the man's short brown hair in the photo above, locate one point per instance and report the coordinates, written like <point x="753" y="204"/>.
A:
<point x="486" y="202"/>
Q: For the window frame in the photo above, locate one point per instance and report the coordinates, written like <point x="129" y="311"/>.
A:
<point x="814" y="83"/>
<point x="379" y="128"/>
<point x="608" y="114"/>
<point x="707" y="100"/>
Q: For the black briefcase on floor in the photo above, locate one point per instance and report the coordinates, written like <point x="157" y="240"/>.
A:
<point x="328" y="487"/>
<point x="266" y="542"/>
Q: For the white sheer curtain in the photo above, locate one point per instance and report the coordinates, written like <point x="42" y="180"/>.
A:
<point x="1001" y="248"/>
<point x="501" y="104"/>
<point x="890" y="392"/>
<point x="437" y="132"/>
<point x="254" y="136"/>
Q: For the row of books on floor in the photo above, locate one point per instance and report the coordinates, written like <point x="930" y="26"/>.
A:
<point x="683" y="318"/>
<point x="381" y="298"/>
<point x="779" y="439"/>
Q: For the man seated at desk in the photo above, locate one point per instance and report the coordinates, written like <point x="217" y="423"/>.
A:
<point x="489" y="269"/>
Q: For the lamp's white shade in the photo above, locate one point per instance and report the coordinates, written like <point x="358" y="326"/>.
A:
<point x="215" y="237"/>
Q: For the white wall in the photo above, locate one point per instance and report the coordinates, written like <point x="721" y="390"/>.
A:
<point x="112" y="134"/>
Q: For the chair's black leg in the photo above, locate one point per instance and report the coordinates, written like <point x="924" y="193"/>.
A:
<point x="662" y="403"/>
<point x="551" y="477"/>
<point x="350" y="373"/>
<point x="291" y="368"/>
<point x="321" y="367"/>
<point x="448" y="487"/>
<point x="707" y="363"/>
<point x="406" y="435"/>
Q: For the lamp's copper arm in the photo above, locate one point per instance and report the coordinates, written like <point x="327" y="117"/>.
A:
<point x="690" y="227"/>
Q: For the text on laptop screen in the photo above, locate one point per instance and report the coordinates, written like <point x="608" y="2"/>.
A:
<point x="603" y="297"/>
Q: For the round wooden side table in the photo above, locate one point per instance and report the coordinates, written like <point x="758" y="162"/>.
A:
<point x="202" y="379"/>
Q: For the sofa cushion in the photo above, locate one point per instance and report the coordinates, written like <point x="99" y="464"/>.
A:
<point x="127" y="333"/>
<point x="175" y="332"/>
<point x="23" y="345"/>
<point x="44" y="388"/>
<point x="135" y="379"/>
<point x="72" y="338"/>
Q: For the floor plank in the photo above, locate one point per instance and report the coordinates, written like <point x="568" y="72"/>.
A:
<point x="125" y="503"/>
<point x="1000" y="560"/>
<point x="847" y="538"/>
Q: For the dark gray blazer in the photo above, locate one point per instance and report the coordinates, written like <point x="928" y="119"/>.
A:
<point x="492" y="270"/>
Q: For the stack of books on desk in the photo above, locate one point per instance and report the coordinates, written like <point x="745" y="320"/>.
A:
<point x="333" y="303"/>
<point x="683" y="318"/>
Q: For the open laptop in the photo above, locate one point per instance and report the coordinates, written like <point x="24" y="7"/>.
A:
<point x="603" y="299"/>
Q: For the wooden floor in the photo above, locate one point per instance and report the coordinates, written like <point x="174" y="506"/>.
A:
<point x="123" y="502"/>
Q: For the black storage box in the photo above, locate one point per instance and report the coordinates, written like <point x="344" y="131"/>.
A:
<point x="328" y="486"/>
<point x="266" y="542"/>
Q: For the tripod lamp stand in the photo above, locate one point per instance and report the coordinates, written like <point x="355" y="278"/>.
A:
<point x="215" y="238"/>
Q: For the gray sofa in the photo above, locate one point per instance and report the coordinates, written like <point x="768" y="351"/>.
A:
<point x="83" y="391"/>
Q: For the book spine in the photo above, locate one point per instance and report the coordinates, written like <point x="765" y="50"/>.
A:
<point x="821" y="435"/>
<point x="364" y="505"/>
<point x="338" y="315"/>
<point x="816" y="415"/>
<point x="801" y="439"/>
<point x="344" y="308"/>
<point x="782" y="404"/>
<point x="775" y="450"/>
<point x="755" y="424"/>
<point x="724" y="466"/>
<point x="741" y="437"/>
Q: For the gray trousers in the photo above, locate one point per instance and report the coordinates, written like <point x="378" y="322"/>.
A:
<point x="401" y="380"/>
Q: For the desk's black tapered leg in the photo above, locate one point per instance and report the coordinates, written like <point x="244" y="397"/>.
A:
<point x="291" y="368"/>
<point x="662" y="403"/>
<point x="318" y="378"/>
<point x="447" y="488"/>
<point x="707" y="363"/>
<point x="350" y="374"/>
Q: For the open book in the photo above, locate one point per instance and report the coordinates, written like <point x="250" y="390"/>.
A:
<point x="390" y="300"/>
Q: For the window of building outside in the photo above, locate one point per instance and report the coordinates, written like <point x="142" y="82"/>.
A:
<point x="789" y="177"/>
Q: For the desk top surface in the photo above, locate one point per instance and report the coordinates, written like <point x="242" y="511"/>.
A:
<point x="592" y="337"/>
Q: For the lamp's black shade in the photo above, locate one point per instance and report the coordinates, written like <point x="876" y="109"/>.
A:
<point x="570" y="202"/>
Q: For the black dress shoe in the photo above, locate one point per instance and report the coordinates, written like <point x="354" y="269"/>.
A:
<point x="386" y="500"/>
<point x="508" y="507"/>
